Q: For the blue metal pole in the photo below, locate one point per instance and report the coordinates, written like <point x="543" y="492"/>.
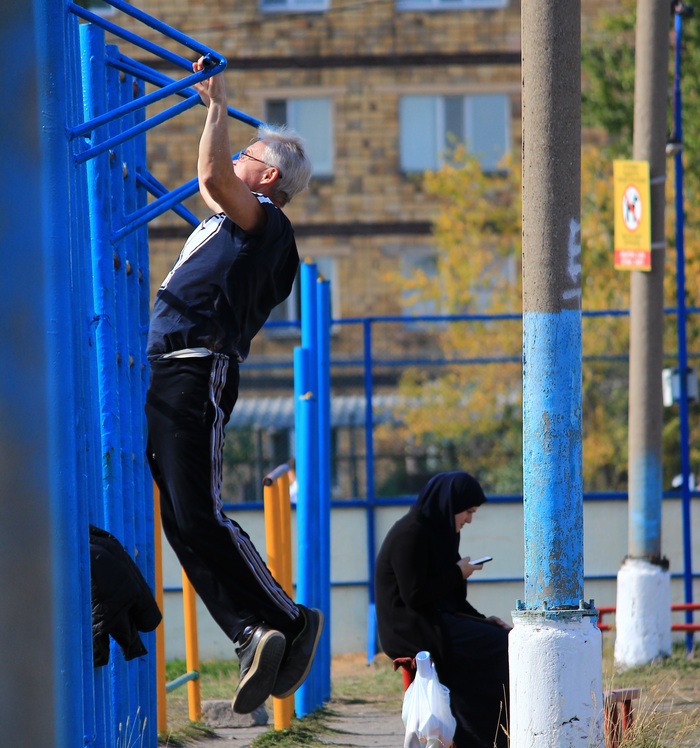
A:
<point x="309" y="696"/>
<point x="324" y="445"/>
<point x="306" y="427"/>
<point x="145" y="545"/>
<point x="369" y="473"/>
<point x="681" y="326"/>
<point x="99" y="173"/>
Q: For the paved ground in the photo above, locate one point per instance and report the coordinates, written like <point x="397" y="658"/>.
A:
<point x="352" y="725"/>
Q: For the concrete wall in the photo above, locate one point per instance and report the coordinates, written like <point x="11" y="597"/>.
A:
<point x="497" y="530"/>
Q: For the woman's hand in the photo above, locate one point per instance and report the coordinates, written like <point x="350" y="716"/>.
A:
<point x="466" y="568"/>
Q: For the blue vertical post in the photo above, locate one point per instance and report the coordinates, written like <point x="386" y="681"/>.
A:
<point x="99" y="171"/>
<point x="369" y="479"/>
<point x="323" y="305"/>
<point x="681" y="327"/>
<point x="142" y="503"/>
<point x="121" y="512"/>
<point x="309" y="342"/>
<point x="307" y="526"/>
<point x="312" y="423"/>
<point x="87" y="427"/>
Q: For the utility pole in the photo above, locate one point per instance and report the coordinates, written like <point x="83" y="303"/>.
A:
<point x="643" y="618"/>
<point x="556" y="668"/>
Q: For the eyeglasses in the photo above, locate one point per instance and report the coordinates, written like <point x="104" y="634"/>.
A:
<point x="244" y="154"/>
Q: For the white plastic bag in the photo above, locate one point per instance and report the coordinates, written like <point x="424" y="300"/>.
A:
<point x="426" y="709"/>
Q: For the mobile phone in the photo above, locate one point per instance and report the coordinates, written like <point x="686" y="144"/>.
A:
<point x="482" y="560"/>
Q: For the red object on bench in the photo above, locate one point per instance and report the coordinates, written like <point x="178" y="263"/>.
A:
<point x="408" y="669"/>
<point x="619" y="714"/>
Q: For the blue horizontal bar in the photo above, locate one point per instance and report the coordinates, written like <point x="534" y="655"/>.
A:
<point x="131" y="132"/>
<point x="192" y="675"/>
<point x="356" y="503"/>
<point x="154" y="23"/>
<point x="139" y="217"/>
<point x="472" y="581"/>
<point x="141" y="103"/>
<point x="146" y="73"/>
<point x="150" y="183"/>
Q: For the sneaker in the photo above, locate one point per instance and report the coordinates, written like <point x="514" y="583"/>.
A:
<point x="297" y="664"/>
<point x="259" y="657"/>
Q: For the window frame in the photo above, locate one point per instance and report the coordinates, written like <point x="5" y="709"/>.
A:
<point x="294" y="6"/>
<point x="446" y="5"/>
<point x="438" y="129"/>
<point x="291" y="118"/>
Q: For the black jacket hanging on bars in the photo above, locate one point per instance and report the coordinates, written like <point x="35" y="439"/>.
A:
<point x="122" y="601"/>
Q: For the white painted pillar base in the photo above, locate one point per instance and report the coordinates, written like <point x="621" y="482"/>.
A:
<point x="643" y="614"/>
<point x="556" y="683"/>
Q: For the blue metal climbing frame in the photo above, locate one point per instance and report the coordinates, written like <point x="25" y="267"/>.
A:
<point x="96" y="189"/>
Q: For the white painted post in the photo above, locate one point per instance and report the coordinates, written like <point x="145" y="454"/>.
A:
<point x="643" y="631"/>
<point x="555" y="666"/>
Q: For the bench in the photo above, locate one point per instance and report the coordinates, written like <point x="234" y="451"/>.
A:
<point x="618" y="709"/>
<point x="619" y="714"/>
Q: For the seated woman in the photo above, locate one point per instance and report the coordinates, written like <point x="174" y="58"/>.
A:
<point x="421" y="600"/>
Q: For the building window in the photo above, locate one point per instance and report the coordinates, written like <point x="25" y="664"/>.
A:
<point x="312" y="119"/>
<point x="431" y="126"/>
<point x="271" y="6"/>
<point x="449" y="4"/>
<point x="289" y="311"/>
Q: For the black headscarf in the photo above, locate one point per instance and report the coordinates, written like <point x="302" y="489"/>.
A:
<point x="443" y="496"/>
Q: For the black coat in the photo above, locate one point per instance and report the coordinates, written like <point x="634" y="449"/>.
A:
<point x="122" y="601"/>
<point x="412" y="583"/>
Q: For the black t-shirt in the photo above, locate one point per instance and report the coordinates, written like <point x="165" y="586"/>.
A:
<point x="224" y="285"/>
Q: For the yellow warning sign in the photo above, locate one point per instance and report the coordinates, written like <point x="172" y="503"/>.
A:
<point x="632" y="215"/>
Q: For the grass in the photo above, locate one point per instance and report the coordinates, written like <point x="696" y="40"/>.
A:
<point x="353" y="682"/>
<point x="667" y="715"/>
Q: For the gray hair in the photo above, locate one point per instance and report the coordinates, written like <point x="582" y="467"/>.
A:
<point x="285" y="149"/>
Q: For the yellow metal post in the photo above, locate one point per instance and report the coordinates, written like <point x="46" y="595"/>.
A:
<point x="189" y="602"/>
<point x="279" y="558"/>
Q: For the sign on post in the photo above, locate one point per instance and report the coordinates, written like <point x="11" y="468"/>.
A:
<point x="632" y="202"/>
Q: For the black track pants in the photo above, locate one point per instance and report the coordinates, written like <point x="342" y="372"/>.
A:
<point x="189" y="402"/>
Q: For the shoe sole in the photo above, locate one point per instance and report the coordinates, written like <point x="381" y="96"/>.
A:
<point x="257" y="684"/>
<point x="302" y="678"/>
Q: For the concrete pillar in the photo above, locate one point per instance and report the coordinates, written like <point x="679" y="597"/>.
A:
<point x="646" y="363"/>
<point x="555" y="648"/>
